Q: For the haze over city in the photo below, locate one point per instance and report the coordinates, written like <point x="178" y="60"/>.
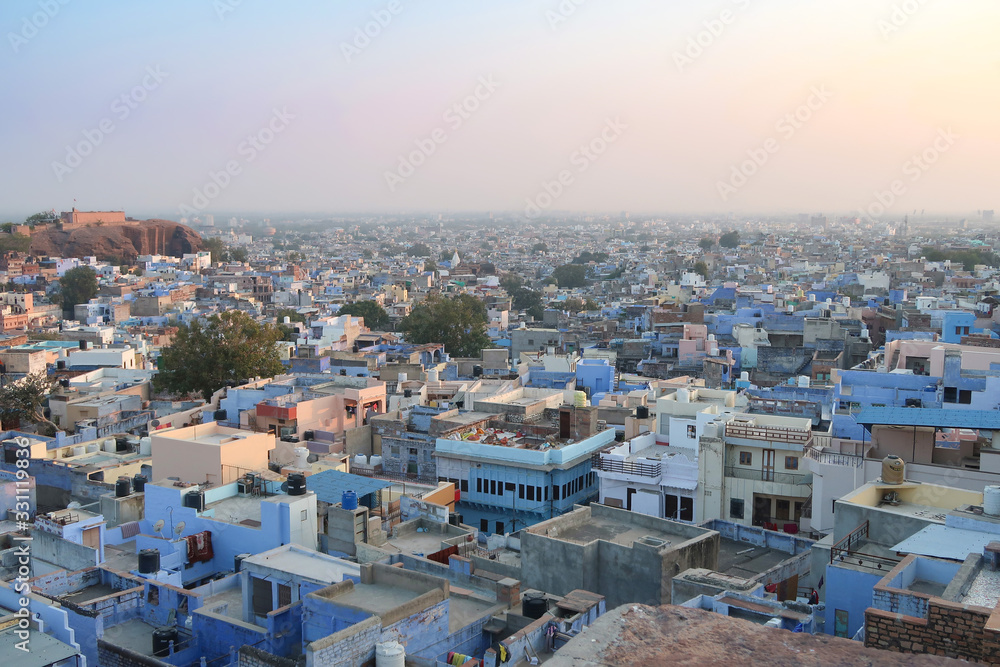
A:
<point x="733" y="106"/>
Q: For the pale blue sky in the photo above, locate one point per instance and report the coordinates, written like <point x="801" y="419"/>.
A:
<point x="892" y="89"/>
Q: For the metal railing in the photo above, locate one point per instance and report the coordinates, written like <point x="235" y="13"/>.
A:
<point x="625" y="467"/>
<point x="847" y="549"/>
<point x="769" y="433"/>
<point x="758" y="475"/>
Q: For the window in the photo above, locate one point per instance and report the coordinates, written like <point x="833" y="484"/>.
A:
<point x="791" y="463"/>
<point x="499" y="529"/>
<point x="566" y="490"/>
<point x="303" y="515"/>
<point x="538" y="492"/>
<point x="464" y="486"/>
<point x="499" y="488"/>
<point x="493" y="487"/>
<point x="781" y="509"/>
<point x="261" y="597"/>
<point x="531" y="493"/>
<point x="510" y="487"/>
<point x="479" y="485"/>
<point x="284" y="595"/>
<point x="687" y="509"/>
<point x="520" y="491"/>
<point x="153" y="596"/>
<point x="484" y="525"/>
<point x="691" y="430"/>
<point x="555" y="492"/>
<point x="965" y="396"/>
<point x="546" y="493"/>
<point x="746" y="458"/>
<point x="951" y="394"/>
<point x="735" y="508"/>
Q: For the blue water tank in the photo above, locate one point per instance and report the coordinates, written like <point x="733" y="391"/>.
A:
<point x="349" y="501"/>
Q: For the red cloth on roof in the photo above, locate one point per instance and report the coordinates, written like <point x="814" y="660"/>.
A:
<point x="199" y="547"/>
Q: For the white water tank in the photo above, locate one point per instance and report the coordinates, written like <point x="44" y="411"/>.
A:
<point x="390" y="654"/>
<point x="991" y="500"/>
<point x="803" y="380"/>
<point x="92" y="447"/>
<point x="745" y="376"/>
<point x="79" y="450"/>
<point x="432" y="375"/>
<point x="360" y="460"/>
<point x="145" y="446"/>
<point x="301" y="457"/>
<point x="110" y="445"/>
<point x="376" y="461"/>
<point x="683" y="396"/>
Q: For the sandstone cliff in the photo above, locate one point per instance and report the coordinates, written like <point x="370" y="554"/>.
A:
<point x="117" y="242"/>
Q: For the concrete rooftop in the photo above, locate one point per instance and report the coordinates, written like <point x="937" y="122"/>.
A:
<point x="603" y="528"/>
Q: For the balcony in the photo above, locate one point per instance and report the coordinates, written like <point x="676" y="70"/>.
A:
<point x="791" y="436"/>
<point x="634" y="468"/>
<point x="758" y="475"/>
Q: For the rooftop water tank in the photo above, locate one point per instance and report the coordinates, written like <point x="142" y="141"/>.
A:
<point x="149" y="561"/>
<point x="991" y="500"/>
<point x="161" y="641"/>
<point x="579" y="399"/>
<point x="360" y="460"/>
<point x="123" y="487"/>
<point x="683" y="396"/>
<point x="301" y="457"/>
<point x="893" y="469"/>
<point x="432" y="375"/>
<point x="296" y="484"/>
<point x="349" y="500"/>
<point x="390" y="654"/>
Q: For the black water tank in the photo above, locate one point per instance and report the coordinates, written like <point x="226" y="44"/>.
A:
<point x="533" y="606"/>
<point x="61" y="364"/>
<point x="220" y="415"/>
<point x="195" y="499"/>
<point x="123" y="487"/>
<point x="407" y="393"/>
<point x="296" y="484"/>
<point x="455" y="519"/>
<point x="309" y="435"/>
<point x="83" y="345"/>
<point x="149" y="561"/>
<point x="64" y="382"/>
<point x="642" y="412"/>
<point x="477" y="371"/>
<point x="161" y="641"/>
<point x="139" y="483"/>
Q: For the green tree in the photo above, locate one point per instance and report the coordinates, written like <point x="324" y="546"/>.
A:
<point x="730" y="239"/>
<point x="702" y="268"/>
<point x="706" y="244"/>
<point x="539" y="247"/>
<point x="17" y="242"/>
<point x="7" y="227"/>
<point x="216" y="246"/>
<point x="586" y="257"/>
<point x="374" y="314"/>
<point x="570" y="275"/>
<point x="430" y="265"/>
<point x="419" y="250"/>
<point x="291" y="314"/>
<point x="77" y="285"/>
<point x="459" y="323"/>
<point x="44" y="216"/>
<point x="228" y="347"/>
<point x="239" y="254"/>
<point x="24" y="400"/>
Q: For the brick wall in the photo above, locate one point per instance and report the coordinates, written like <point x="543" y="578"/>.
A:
<point x="351" y="647"/>
<point x="951" y="629"/>
<point x="251" y="656"/>
<point x="109" y="655"/>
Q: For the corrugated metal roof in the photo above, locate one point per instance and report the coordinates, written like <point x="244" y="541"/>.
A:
<point x="329" y="485"/>
<point x="945" y="542"/>
<point x="985" y="419"/>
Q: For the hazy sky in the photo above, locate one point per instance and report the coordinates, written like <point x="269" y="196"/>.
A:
<point x="632" y="105"/>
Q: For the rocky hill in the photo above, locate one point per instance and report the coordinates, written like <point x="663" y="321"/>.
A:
<point x="117" y="242"/>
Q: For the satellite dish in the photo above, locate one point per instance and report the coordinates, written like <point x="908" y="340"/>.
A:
<point x="158" y="526"/>
<point x="284" y="487"/>
<point x="74" y="506"/>
<point x="179" y="528"/>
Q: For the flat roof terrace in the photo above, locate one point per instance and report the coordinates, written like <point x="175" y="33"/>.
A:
<point x="611" y="530"/>
<point x="745" y="560"/>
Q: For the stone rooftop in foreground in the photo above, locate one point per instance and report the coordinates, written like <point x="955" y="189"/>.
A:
<point x="642" y="635"/>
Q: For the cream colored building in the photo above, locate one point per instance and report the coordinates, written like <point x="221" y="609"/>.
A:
<point x="209" y="453"/>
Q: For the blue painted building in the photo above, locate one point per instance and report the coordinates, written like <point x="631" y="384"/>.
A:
<point x="506" y="488"/>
